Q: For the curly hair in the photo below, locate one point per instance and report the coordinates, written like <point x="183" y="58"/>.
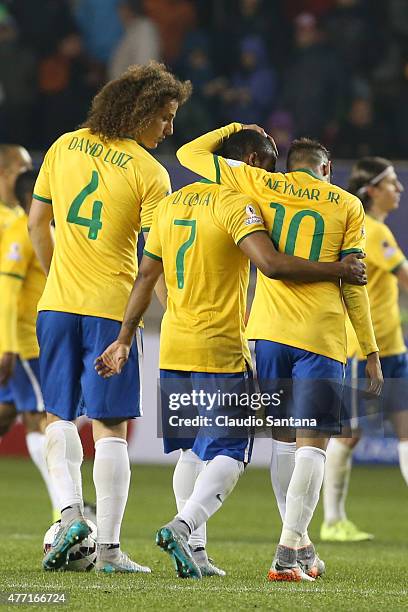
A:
<point x="127" y="105"/>
<point x="364" y="173"/>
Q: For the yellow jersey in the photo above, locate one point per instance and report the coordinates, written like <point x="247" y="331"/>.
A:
<point x="195" y="233"/>
<point x="7" y="216"/>
<point x="383" y="259"/>
<point x="22" y="282"/>
<point x="307" y="217"/>
<point x="102" y="195"/>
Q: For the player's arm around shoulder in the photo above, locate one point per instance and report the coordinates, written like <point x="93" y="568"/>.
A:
<point x="243" y="220"/>
<point x="197" y="155"/>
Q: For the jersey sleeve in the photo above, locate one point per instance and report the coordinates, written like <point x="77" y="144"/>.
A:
<point x="354" y="238"/>
<point x="42" y="187"/>
<point x="16" y="251"/>
<point x="239" y="215"/>
<point x="383" y="250"/>
<point x="358" y="309"/>
<point x="153" y="247"/>
<point x="15" y="255"/>
<point x="198" y="156"/>
<point x="155" y="189"/>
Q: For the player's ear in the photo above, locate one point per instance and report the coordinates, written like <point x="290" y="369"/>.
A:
<point x="326" y="170"/>
<point x="253" y="159"/>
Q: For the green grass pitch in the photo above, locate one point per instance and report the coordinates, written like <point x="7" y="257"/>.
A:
<point x="242" y="537"/>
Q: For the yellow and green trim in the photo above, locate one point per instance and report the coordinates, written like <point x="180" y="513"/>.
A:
<point x="349" y="252"/>
<point x="42" y="199"/>
<point x="250" y="234"/>
<point x="13" y="275"/>
<point x="398" y="266"/>
<point x="152" y="255"/>
<point x="217" y="169"/>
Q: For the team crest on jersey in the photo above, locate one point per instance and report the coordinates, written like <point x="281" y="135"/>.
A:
<point x="14" y="253"/>
<point x="253" y="216"/>
<point x="388" y="249"/>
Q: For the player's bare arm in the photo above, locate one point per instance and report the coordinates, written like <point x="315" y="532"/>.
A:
<point x="116" y="355"/>
<point x="358" y="308"/>
<point x="260" y="250"/>
<point x="160" y="288"/>
<point x="402" y="275"/>
<point x="39" y="227"/>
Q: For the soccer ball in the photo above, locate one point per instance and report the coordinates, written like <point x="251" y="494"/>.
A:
<point x="82" y="556"/>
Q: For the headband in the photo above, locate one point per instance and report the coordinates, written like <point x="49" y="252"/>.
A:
<point x="374" y="181"/>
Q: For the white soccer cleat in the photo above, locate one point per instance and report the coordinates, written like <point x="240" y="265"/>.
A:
<point x="120" y="563"/>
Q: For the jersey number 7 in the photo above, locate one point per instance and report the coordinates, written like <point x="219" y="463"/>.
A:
<point x="184" y="247"/>
<point x="95" y="223"/>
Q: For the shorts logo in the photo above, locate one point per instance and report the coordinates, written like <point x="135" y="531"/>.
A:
<point x="253" y="216"/>
<point x="14" y="253"/>
<point x="388" y="249"/>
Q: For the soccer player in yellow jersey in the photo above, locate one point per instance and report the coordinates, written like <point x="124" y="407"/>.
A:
<point x="300" y="329"/>
<point x="13" y="160"/>
<point x="100" y="185"/>
<point x="201" y="237"/>
<point x="22" y="281"/>
<point x="375" y="182"/>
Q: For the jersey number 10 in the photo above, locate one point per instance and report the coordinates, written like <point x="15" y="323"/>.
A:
<point x="317" y="239"/>
<point x="95" y="223"/>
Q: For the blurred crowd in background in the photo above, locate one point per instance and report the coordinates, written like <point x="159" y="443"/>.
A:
<point x="336" y="70"/>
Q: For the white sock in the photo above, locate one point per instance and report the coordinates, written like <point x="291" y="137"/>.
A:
<point x="303" y="494"/>
<point x="282" y="466"/>
<point x="111" y="476"/>
<point x="403" y="459"/>
<point x="64" y="455"/>
<point x="36" y="447"/>
<point x="212" y="487"/>
<point x="336" y="481"/>
<point x="186" y="472"/>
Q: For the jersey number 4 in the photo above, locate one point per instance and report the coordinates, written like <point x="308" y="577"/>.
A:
<point x="184" y="247"/>
<point x="95" y="223"/>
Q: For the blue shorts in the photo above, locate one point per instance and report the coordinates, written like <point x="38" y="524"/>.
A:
<point x="202" y="433"/>
<point x="310" y="385"/>
<point x="69" y="344"/>
<point x="6" y="394"/>
<point x="25" y="386"/>
<point x="394" y="397"/>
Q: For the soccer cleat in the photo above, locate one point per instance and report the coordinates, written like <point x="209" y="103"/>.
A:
<point x="343" y="531"/>
<point x="176" y="545"/>
<point x="309" y="561"/>
<point x="285" y="567"/>
<point x="120" y="563"/>
<point x="70" y="534"/>
<point x="206" y="565"/>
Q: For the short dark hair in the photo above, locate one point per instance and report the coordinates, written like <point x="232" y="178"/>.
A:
<point x="245" y="142"/>
<point x="307" y="152"/>
<point x="25" y="185"/>
<point x="364" y="171"/>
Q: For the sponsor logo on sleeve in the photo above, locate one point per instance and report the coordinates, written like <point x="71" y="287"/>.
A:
<point x="14" y="253"/>
<point x="388" y="249"/>
<point x="253" y="216"/>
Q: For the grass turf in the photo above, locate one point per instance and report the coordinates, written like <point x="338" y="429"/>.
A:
<point x="242" y="537"/>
